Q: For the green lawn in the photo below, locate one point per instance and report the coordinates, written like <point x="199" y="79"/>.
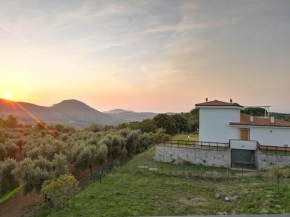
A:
<point x="133" y="191"/>
<point x="184" y="136"/>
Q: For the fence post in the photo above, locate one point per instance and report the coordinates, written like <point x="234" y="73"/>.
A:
<point x="242" y="171"/>
<point x="201" y="145"/>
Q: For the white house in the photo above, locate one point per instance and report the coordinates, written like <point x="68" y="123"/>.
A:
<point x="251" y="142"/>
<point x="222" y="122"/>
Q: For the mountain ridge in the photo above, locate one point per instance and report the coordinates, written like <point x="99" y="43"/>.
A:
<point x="70" y="112"/>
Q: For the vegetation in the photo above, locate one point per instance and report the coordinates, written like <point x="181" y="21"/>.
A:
<point x="135" y="191"/>
<point x="278" y="174"/>
<point x="45" y="153"/>
<point x="261" y="112"/>
<point x="172" y="124"/>
<point x="9" y="195"/>
<point x="61" y="190"/>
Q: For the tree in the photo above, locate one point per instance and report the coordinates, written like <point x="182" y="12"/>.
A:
<point x="59" y="127"/>
<point x="167" y="122"/>
<point x="61" y="189"/>
<point x="146" y="139"/>
<point x="11" y="122"/>
<point x="8" y="180"/>
<point x="255" y="111"/>
<point x="41" y="126"/>
<point x="278" y="173"/>
<point x="3" y="152"/>
<point x="11" y="149"/>
<point x="122" y="126"/>
<point x="94" y="128"/>
<point x="115" y="144"/>
<point x="59" y="165"/>
<point x="132" y="141"/>
<point x="31" y="177"/>
<point x="33" y="173"/>
<point x="180" y="122"/>
<point x="147" y="126"/>
<point x="193" y="120"/>
<point x="85" y="156"/>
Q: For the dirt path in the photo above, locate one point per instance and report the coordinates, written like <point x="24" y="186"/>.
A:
<point x="20" y="204"/>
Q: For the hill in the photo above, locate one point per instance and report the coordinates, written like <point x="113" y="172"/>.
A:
<point x="69" y="112"/>
<point x="130" y="115"/>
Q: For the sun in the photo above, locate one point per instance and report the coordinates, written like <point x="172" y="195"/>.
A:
<point x="8" y="96"/>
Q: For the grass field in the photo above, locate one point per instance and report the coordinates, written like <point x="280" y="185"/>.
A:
<point x="132" y="191"/>
<point x="185" y="136"/>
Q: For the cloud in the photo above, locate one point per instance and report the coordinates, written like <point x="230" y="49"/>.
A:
<point x="170" y="28"/>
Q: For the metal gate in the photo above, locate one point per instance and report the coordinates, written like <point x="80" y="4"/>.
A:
<point x="243" y="158"/>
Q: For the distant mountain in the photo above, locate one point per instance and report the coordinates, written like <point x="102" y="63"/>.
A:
<point x="116" y="111"/>
<point x="129" y="116"/>
<point x="70" y="112"/>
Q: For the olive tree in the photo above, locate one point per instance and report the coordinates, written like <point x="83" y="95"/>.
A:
<point x="33" y="173"/>
<point x="85" y="156"/>
<point x="8" y="180"/>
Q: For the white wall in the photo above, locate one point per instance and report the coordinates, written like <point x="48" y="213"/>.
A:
<point x="214" y="124"/>
<point x="278" y="136"/>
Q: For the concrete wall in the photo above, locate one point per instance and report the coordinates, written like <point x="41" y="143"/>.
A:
<point x="194" y="156"/>
<point x="214" y="124"/>
<point x="272" y="136"/>
<point x="265" y="161"/>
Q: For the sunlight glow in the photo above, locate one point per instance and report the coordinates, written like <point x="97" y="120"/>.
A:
<point x="7" y="96"/>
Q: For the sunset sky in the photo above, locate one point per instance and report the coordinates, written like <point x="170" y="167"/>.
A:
<point x="146" y="55"/>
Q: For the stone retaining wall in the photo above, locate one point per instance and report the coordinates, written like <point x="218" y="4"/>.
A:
<point x="193" y="155"/>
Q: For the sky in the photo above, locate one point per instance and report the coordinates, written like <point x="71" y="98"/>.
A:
<point x="160" y="56"/>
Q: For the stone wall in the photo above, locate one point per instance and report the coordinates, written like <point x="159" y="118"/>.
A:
<point x="265" y="161"/>
<point x="216" y="158"/>
<point x="195" y="156"/>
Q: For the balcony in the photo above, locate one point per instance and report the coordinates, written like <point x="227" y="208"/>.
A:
<point x="243" y="144"/>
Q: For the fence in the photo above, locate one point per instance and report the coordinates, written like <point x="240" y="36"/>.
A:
<point x="196" y="144"/>
<point x="85" y="182"/>
<point x="274" y="149"/>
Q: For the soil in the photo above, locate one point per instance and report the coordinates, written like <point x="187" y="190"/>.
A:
<point x="20" y="204"/>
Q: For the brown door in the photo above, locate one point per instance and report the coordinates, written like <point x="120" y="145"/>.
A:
<point x="244" y="134"/>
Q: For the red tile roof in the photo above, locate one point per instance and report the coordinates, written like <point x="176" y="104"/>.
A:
<point x="217" y="103"/>
<point x="260" y="121"/>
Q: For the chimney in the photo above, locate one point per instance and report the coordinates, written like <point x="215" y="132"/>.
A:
<point x="231" y="101"/>
<point x="272" y="120"/>
<point x="206" y="99"/>
<point x="251" y="118"/>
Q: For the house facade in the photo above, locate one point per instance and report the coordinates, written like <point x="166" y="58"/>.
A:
<point x="232" y="139"/>
<point x="224" y="122"/>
